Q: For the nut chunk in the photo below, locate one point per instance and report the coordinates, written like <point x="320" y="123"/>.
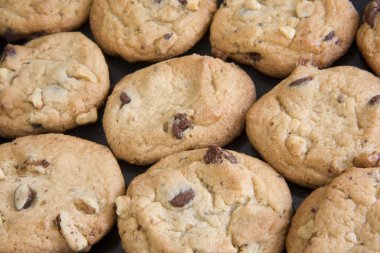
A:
<point x="71" y="233"/>
<point x="24" y="197"/>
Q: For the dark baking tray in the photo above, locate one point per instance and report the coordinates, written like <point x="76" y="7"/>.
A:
<point x="119" y="68"/>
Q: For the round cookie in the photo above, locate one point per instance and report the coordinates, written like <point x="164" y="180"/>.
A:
<point x="57" y="193"/>
<point x="183" y="103"/>
<point x="341" y="217"/>
<point x="210" y="200"/>
<point x="367" y="36"/>
<point x="150" y="30"/>
<point x="274" y="36"/>
<point x="51" y="84"/>
<point x="31" y="18"/>
<point x="316" y="124"/>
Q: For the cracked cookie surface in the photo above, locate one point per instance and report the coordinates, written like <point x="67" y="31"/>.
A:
<point x="57" y="193"/>
<point x="342" y="217"/>
<point x="51" y="84"/>
<point x="368" y="36"/>
<point x="30" y="18"/>
<point x="316" y="124"/>
<point x="183" y="103"/>
<point x="274" y="36"/>
<point x="207" y="200"/>
<point x="150" y="30"/>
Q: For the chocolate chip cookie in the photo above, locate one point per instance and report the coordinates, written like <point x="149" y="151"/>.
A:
<point x="367" y="37"/>
<point x="51" y="84"/>
<point x="207" y="200"/>
<point x="316" y="124"/>
<point x="341" y="217"/>
<point x="57" y="193"/>
<point x="149" y="30"/>
<point x="183" y="103"/>
<point x="32" y="18"/>
<point x="274" y="36"/>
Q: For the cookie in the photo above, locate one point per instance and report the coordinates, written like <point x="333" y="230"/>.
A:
<point x="207" y="200"/>
<point x="51" y="84"/>
<point x="183" y="103"/>
<point x="367" y="36"/>
<point x="57" y="193"/>
<point x="316" y="124"/>
<point x="274" y="36"/>
<point x="31" y="18"/>
<point x="341" y="217"/>
<point x="150" y="30"/>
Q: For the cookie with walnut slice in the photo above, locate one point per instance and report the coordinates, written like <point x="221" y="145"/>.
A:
<point x="180" y="104"/>
<point x="51" y="84"/>
<point x="205" y="200"/>
<point x="316" y="124"/>
<point x="57" y="193"/>
<point x="341" y="217"/>
<point x="150" y="30"/>
<point x="274" y="36"/>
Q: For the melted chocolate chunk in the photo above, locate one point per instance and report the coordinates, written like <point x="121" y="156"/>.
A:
<point x="215" y="154"/>
<point x="180" y="124"/>
<point x="183" y="198"/>
<point x="125" y="99"/>
<point x="329" y="36"/>
<point x="301" y="81"/>
<point x="375" y="100"/>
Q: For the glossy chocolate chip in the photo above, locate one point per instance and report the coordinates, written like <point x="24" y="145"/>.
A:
<point x="301" y="81"/>
<point x="180" y="124"/>
<point x="215" y="155"/>
<point x="125" y="99"/>
<point x="183" y="198"/>
<point x="375" y="100"/>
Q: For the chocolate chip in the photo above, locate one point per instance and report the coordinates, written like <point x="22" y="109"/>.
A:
<point x="215" y="154"/>
<point x="314" y="210"/>
<point x="180" y="124"/>
<point x="301" y="81"/>
<point x="168" y="36"/>
<point x="58" y="221"/>
<point x="255" y="57"/>
<point x="182" y="198"/>
<point x="184" y="2"/>
<point x="125" y="99"/>
<point x="42" y="163"/>
<point x="9" y="51"/>
<point x="371" y="11"/>
<point x="340" y="99"/>
<point x="329" y="36"/>
<point x="375" y="100"/>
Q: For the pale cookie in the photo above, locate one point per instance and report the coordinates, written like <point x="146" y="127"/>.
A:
<point x="149" y="30"/>
<point x="206" y="201"/>
<point x="51" y="84"/>
<point x="57" y="194"/>
<point x="342" y="217"/>
<point x="31" y="18"/>
<point x="274" y="36"/>
<point x="368" y="36"/>
<point x="316" y="124"/>
<point x="184" y="103"/>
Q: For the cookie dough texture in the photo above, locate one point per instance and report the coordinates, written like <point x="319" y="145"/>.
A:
<point x="368" y="34"/>
<point x="184" y="103"/>
<point x="150" y="30"/>
<point x="274" y="36"/>
<point x="29" y="18"/>
<point x="316" y="124"/>
<point x="182" y="204"/>
<point x="341" y="217"/>
<point x="51" y="84"/>
<point x="74" y="183"/>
